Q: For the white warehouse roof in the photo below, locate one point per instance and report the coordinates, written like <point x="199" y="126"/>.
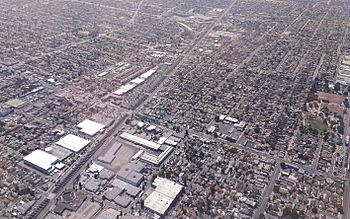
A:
<point x="120" y="91"/>
<point x="148" y="73"/>
<point x="137" y="80"/>
<point x="158" y="202"/>
<point x="90" y="127"/>
<point x="164" y="194"/>
<point x="125" y="88"/>
<point x="167" y="187"/>
<point x="141" y="141"/>
<point x="73" y="142"/>
<point x="42" y="160"/>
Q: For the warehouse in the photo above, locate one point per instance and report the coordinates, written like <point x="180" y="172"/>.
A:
<point x="137" y="80"/>
<point x="90" y="127"/>
<point x="42" y="161"/>
<point x="127" y="174"/>
<point x="59" y="152"/>
<point x="134" y="83"/>
<point x="73" y="143"/>
<point x="124" y="89"/>
<point x="140" y="141"/>
<point x="163" y="196"/>
<point x="148" y="73"/>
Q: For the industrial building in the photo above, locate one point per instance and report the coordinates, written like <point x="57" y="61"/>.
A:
<point x="150" y="157"/>
<point x="343" y="76"/>
<point x="73" y="143"/>
<point x="69" y="200"/>
<point x="90" y="127"/>
<point x="166" y="191"/>
<point x="130" y="175"/>
<point x="137" y="140"/>
<point x="41" y="161"/>
<point x="134" y="82"/>
<point x="131" y="190"/>
<point x="112" y="193"/>
<point x="92" y="185"/>
<point x="122" y="201"/>
<point x="108" y="214"/>
<point x="59" y="152"/>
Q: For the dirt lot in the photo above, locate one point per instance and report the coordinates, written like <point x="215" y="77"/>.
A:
<point x="332" y="98"/>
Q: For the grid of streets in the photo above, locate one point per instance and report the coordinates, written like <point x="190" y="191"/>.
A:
<point x="238" y="108"/>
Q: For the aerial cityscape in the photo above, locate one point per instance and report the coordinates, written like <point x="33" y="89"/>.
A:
<point x="186" y="109"/>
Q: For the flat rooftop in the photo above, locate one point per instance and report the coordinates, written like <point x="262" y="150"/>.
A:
<point x="140" y="141"/>
<point x="73" y="142"/>
<point x="164" y="194"/>
<point x="41" y="159"/>
<point x="90" y="127"/>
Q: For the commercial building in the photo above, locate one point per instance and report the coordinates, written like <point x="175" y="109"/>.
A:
<point x="163" y="196"/>
<point x="42" y="161"/>
<point x="157" y="159"/>
<point x="73" y="143"/>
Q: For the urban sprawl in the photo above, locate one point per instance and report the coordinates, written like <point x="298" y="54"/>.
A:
<point x="136" y="109"/>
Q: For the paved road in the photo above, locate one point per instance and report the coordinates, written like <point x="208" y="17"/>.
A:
<point x="187" y="53"/>
<point x="72" y="173"/>
<point x="55" y="192"/>
<point x="175" y="66"/>
<point x="267" y="192"/>
<point x="346" y="133"/>
<point x="347" y="186"/>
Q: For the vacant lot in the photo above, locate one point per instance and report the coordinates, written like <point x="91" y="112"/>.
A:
<point x="318" y="125"/>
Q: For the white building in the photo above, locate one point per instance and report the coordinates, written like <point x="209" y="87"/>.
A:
<point x="163" y="196"/>
<point x="42" y="161"/>
<point x="156" y="159"/>
<point x="343" y="76"/>
<point x="90" y="127"/>
<point x="141" y="141"/>
<point x="134" y="83"/>
<point x="73" y="143"/>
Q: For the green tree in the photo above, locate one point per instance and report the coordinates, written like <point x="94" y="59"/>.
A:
<point x="337" y="87"/>
<point x="261" y="216"/>
<point x="291" y="213"/>
<point x="340" y="208"/>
